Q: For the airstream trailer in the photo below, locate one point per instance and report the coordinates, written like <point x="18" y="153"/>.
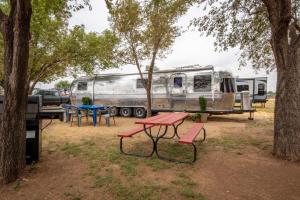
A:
<point x="257" y="88"/>
<point x="172" y="90"/>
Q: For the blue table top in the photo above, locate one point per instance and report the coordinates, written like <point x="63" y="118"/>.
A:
<point x="92" y="107"/>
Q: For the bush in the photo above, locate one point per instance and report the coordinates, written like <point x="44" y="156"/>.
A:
<point x="196" y="117"/>
<point x="86" y="101"/>
<point x="202" y="103"/>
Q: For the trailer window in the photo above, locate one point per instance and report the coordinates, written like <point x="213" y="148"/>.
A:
<point x="227" y="85"/>
<point x="177" y="82"/>
<point x="241" y="88"/>
<point x="139" y="83"/>
<point x="202" y="83"/>
<point x="82" y="86"/>
<point x="261" y="89"/>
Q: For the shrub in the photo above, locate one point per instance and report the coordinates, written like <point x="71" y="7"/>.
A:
<point x="86" y="101"/>
<point x="202" y="103"/>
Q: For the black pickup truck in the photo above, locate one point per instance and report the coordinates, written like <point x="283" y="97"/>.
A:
<point x="52" y="97"/>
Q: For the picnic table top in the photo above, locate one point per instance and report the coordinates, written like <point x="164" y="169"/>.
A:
<point x="163" y="119"/>
<point x="90" y="106"/>
<point x="86" y="106"/>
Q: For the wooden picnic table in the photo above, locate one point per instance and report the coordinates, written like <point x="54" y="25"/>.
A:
<point x="164" y="120"/>
<point x="167" y="119"/>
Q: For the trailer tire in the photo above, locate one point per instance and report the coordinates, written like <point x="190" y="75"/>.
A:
<point x="126" y="112"/>
<point x="140" y="112"/>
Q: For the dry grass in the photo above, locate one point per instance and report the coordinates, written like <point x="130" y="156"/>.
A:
<point x="234" y="162"/>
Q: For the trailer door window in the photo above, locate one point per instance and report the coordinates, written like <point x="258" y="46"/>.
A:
<point x="227" y="85"/>
<point x="177" y="82"/>
<point x="202" y="83"/>
<point x="82" y="86"/>
<point x="241" y="88"/>
<point x="261" y="89"/>
<point x="139" y="83"/>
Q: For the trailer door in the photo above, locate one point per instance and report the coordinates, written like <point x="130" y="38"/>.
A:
<point x="178" y="88"/>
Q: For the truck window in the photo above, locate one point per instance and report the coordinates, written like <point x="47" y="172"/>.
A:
<point x="261" y="89"/>
<point x="51" y="93"/>
<point x="82" y="86"/>
<point x="241" y="88"/>
<point x="177" y="82"/>
<point x="139" y="83"/>
<point x="202" y="83"/>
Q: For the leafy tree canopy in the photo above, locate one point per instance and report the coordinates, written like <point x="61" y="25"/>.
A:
<point x="57" y="50"/>
<point x="145" y="27"/>
<point x="62" y="85"/>
<point x="243" y="24"/>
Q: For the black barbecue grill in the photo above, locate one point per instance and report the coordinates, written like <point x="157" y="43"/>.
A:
<point x="34" y="115"/>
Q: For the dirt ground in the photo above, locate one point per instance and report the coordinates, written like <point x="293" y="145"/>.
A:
<point x="235" y="162"/>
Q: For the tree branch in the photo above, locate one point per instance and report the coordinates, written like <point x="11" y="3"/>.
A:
<point x="272" y="11"/>
<point x="295" y="23"/>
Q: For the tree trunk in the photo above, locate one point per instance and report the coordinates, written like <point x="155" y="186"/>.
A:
<point x="287" y="108"/>
<point x="15" y="30"/>
<point x="149" y="84"/>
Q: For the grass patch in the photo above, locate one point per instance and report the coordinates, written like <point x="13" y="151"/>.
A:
<point x="128" y="167"/>
<point x="17" y="185"/>
<point x="184" y="181"/>
<point x="71" y="149"/>
<point x="185" y="186"/>
<point x="190" y="194"/>
<point x="73" y="196"/>
<point x="101" y="181"/>
<point x="133" y="191"/>
<point x="157" y="164"/>
<point x="230" y="143"/>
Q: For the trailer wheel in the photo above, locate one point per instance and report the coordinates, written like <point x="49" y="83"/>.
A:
<point x="125" y="112"/>
<point x="139" y="112"/>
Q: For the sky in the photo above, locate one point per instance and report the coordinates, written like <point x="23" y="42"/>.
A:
<point x="190" y="48"/>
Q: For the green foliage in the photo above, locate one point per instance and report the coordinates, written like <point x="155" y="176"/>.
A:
<point x="57" y="50"/>
<point x="145" y="27"/>
<point x="86" y="101"/>
<point x="147" y="30"/>
<point x="243" y="24"/>
<point x="196" y="117"/>
<point x="62" y="85"/>
<point x="202" y="103"/>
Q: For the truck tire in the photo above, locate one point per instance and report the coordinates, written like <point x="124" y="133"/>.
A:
<point x="125" y="112"/>
<point x="140" y="112"/>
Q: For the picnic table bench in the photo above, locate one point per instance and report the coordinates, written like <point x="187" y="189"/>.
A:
<point x="164" y="120"/>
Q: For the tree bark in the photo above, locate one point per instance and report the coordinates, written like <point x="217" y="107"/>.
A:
<point x="149" y="83"/>
<point x="286" y="49"/>
<point x="287" y="108"/>
<point x="15" y="30"/>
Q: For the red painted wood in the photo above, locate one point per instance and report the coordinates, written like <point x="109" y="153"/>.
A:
<point x="191" y="135"/>
<point x="132" y="132"/>
<point x="163" y="119"/>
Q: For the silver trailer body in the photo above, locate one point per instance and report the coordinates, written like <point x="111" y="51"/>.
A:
<point x="257" y="88"/>
<point x="172" y="90"/>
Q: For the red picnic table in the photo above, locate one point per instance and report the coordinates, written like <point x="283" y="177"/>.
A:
<point x="163" y="120"/>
